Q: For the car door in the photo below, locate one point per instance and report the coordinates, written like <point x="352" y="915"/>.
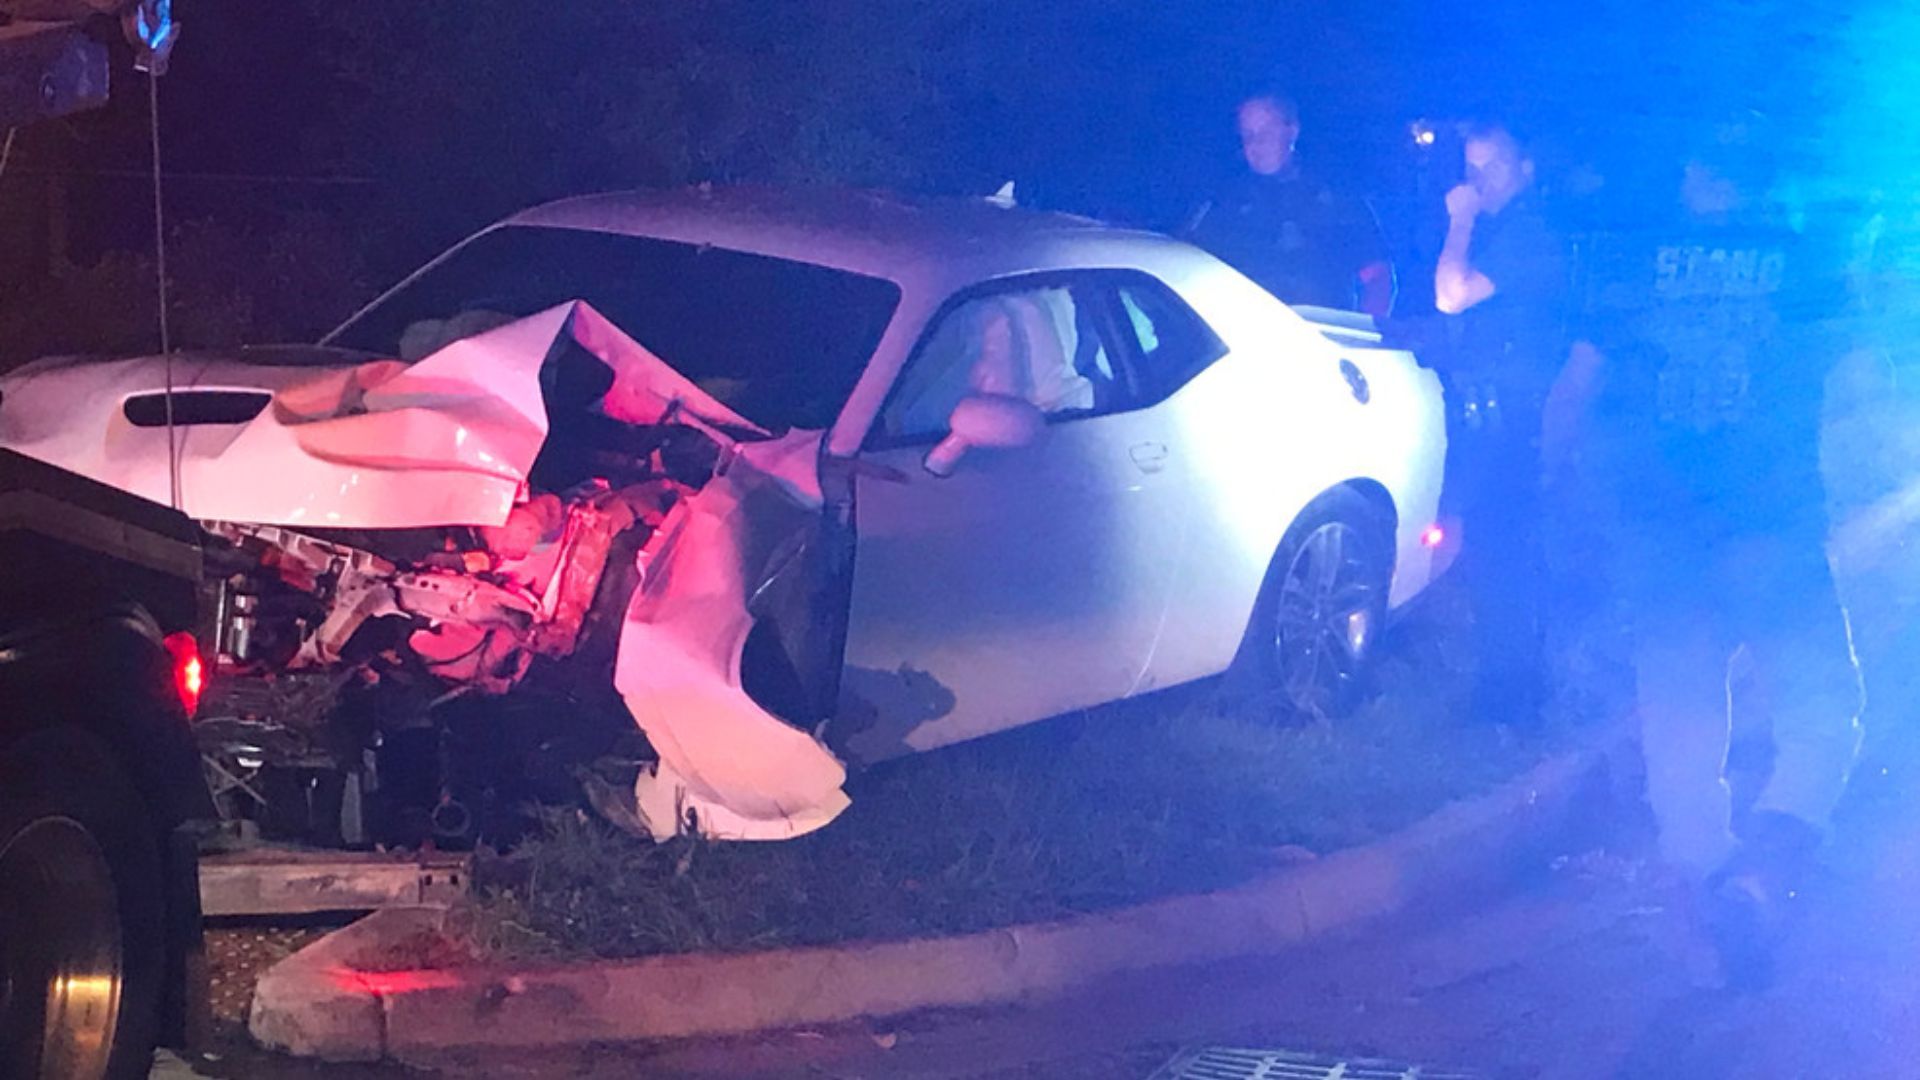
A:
<point x="1030" y="580"/>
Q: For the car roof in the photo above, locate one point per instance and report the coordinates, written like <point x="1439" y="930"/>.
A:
<point x="869" y="232"/>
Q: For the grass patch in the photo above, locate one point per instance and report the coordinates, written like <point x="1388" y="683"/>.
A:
<point x="1162" y="795"/>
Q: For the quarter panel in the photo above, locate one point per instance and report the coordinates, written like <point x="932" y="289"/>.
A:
<point x="1264" y="430"/>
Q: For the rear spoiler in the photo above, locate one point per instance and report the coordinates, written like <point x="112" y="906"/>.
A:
<point x="1343" y="327"/>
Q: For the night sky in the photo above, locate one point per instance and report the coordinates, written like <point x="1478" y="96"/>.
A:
<point x="367" y="134"/>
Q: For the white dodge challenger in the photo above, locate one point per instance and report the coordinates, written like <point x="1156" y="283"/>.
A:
<point x="809" y="477"/>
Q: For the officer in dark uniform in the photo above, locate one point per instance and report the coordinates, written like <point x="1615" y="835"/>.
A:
<point x="1501" y="282"/>
<point x="1302" y="240"/>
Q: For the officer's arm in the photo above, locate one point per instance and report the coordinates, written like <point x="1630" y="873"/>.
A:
<point x="1457" y="286"/>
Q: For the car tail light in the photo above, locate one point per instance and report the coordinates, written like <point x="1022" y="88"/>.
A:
<point x="189" y="671"/>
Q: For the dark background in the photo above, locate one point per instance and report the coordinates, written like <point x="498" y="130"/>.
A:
<point x="316" y="151"/>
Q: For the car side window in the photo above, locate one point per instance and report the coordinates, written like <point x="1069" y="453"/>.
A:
<point x="1174" y="343"/>
<point x="1040" y="343"/>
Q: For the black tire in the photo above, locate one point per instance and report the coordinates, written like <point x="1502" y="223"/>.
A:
<point x="79" y="850"/>
<point x="1275" y="650"/>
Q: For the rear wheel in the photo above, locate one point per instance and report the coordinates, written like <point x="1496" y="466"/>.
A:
<point x="1322" y="608"/>
<point x="82" y="947"/>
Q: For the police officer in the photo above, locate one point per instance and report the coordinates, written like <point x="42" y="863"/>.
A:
<point x="1500" y="281"/>
<point x="1302" y="240"/>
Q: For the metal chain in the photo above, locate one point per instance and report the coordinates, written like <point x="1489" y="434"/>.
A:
<point x="160" y="275"/>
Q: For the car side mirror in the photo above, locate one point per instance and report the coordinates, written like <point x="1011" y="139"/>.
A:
<point x="985" y="422"/>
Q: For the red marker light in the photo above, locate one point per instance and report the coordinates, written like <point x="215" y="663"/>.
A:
<point x="1433" y="536"/>
<point x="189" y="671"/>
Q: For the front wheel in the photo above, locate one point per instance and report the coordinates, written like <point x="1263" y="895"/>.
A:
<point x="1322" y="608"/>
<point x="82" y="951"/>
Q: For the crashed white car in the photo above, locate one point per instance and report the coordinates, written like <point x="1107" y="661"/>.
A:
<point x="817" y="477"/>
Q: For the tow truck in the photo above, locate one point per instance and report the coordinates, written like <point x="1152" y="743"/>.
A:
<point x="102" y="798"/>
<point x="100" y="784"/>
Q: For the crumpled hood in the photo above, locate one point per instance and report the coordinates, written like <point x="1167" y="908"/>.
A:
<point x="448" y="440"/>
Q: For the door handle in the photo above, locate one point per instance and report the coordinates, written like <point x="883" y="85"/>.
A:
<point x="1149" y="457"/>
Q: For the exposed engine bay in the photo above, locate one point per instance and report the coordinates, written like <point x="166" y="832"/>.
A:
<point x="536" y="560"/>
<point x="342" y="657"/>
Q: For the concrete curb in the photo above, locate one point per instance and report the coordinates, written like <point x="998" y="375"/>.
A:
<point x="315" y="1004"/>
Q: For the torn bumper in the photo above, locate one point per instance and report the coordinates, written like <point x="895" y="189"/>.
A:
<point x="729" y="768"/>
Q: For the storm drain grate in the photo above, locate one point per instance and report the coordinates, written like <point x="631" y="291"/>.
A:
<point x="1235" y="1063"/>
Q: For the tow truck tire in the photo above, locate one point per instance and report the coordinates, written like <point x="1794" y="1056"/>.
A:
<point x="82" y="917"/>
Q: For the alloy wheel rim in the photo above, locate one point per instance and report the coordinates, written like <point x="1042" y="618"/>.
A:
<point x="1324" y="621"/>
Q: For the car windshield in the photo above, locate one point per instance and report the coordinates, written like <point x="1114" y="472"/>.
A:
<point x="780" y="342"/>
